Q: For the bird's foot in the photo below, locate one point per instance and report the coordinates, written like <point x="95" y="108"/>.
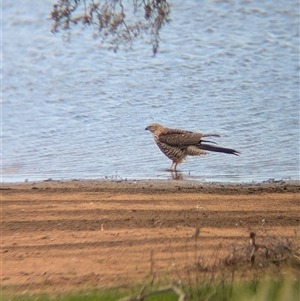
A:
<point x="176" y="175"/>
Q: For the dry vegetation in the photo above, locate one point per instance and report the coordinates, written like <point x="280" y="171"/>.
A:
<point x="204" y="277"/>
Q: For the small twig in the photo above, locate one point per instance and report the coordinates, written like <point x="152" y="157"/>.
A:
<point x="140" y="295"/>
<point x="160" y="290"/>
<point x="296" y="256"/>
<point x="209" y="297"/>
<point x="196" y="233"/>
<point x="151" y="262"/>
<point x="279" y="260"/>
<point x="256" y="247"/>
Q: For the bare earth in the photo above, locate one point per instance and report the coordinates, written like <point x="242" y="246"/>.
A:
<point x="64" y="235"/>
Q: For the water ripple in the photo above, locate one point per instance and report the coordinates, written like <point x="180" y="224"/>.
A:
<point x="78" y="111"/>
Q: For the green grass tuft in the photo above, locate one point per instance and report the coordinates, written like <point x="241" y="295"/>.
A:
<point x="263" y="290"/>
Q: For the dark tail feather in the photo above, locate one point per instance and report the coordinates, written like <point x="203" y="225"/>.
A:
<point x="207" y="141"/>
<point x="220" y="149"/>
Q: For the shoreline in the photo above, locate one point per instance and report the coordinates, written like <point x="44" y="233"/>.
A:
<point x="151" y="186"/>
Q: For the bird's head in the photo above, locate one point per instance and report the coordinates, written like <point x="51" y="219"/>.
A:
<point x="153" y="127"/>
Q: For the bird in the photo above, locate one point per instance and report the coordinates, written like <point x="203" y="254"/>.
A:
<point x="177" y="144"/>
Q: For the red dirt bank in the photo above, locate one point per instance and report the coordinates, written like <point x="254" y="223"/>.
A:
<point x="61" y="235"/>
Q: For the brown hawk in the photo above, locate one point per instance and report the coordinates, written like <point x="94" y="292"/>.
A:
<point x="176" y="144"/>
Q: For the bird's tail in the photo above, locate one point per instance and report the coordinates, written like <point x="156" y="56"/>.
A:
<point x="220" y="149"/>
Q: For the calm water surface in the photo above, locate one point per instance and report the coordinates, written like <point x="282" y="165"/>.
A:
<point x="79" y="111"/>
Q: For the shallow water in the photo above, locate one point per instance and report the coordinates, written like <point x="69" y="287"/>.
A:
<point x="79" y="111"/>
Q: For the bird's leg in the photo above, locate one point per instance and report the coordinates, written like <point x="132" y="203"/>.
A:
<point x="175" y="167"/>
<point x="171" y="167"/>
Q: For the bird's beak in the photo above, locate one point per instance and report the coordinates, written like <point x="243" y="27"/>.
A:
<point x="146" y="129"/>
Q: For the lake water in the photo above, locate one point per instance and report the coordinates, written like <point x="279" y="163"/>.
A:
<point x="76" y="110"/>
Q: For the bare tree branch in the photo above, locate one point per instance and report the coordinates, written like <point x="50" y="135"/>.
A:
<point x="109" y="21"/>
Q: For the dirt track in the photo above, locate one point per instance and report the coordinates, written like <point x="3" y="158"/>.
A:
<point x="60" y="235"/>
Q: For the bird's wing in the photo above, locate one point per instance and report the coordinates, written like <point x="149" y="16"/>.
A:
<point x="178" y="137"/>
